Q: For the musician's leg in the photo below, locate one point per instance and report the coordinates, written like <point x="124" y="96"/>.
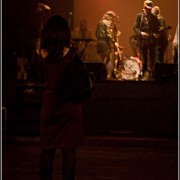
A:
<point x="175" y="53"/>
<point x="153" y="56"/>
<point x="144" y="57"/>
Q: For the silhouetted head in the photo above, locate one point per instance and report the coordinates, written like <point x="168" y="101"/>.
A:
<point x="155" y="10"/>
<point x="55" y="36"/>
<point x="109" y="15"/>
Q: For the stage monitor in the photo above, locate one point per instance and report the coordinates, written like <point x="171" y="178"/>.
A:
<point x="165" y="72"/>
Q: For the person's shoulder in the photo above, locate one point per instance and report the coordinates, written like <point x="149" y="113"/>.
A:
<point x="140" y="13"/>
<point x="161" y="17"/>
<point x="99" y="23"/>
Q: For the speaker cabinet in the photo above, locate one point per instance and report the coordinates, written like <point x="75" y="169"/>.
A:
<point x="165" y="72"/>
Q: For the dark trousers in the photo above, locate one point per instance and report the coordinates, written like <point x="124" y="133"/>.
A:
<point x="160" y="54"/>
<point x="68" y="163"/>
<point x="148" y="52"/>
<point x="175" y="53"/>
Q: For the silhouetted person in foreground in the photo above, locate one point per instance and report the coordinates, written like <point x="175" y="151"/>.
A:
<point x="61" y="116"/>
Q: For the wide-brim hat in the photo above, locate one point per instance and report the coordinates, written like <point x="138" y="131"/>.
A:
<point x="148" y="4"/>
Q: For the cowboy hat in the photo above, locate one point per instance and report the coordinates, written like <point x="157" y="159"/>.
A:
<point x="148" y="4"/>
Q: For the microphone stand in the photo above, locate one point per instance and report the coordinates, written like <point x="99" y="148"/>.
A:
<point x="116" y="50"/>
<point x="70" y="21"/>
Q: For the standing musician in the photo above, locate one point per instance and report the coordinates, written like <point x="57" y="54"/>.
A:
<point x="106" y="33"/>
<point x="147" y="27"/>
<point x="162" y="40"/>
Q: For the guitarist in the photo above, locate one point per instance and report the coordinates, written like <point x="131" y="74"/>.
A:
<point x="162" y="40"/>
<point x="147" y="27"/>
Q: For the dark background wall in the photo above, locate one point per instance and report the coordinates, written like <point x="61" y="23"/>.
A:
<point x="20" y="23"/>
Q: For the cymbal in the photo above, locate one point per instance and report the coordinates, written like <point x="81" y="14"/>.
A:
<point x="43" y="7"/>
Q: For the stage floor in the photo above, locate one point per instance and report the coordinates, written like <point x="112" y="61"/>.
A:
<point x="101" y="158"/>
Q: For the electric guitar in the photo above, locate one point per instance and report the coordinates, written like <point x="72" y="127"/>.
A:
<point x="156" y="35"/>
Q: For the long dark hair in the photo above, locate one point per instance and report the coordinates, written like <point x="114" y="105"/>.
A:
<point x="55" y="36"/>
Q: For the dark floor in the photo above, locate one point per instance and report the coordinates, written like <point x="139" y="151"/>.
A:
<point x="101" y="158"/>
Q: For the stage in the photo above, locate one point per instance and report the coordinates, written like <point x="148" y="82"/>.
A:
<point x="142" y="108"/>
<point x="132" y="108"/>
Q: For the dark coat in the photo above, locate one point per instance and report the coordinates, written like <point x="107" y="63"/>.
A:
<point x="61" y="116"/>
<point x="162" y="41"/>
<point x="148" y="24"/>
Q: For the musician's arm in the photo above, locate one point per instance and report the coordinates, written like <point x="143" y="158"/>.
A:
<point x="156" y="26"/>
<point x="162" y="24"/>
<point x="137" y="27"/>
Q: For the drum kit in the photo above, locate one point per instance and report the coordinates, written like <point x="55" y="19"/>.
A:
<point x="127" y="69"/>
<point x="124" y="68"/>
<point x="130" y="69"/>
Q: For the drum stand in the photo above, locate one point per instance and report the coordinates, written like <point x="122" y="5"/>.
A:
<point x="118" y="56"/>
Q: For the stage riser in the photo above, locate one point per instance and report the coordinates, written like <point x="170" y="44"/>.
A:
<point x="132" y="108"/>
<point x="115" y="107"/>
<point x="152" y="117"/>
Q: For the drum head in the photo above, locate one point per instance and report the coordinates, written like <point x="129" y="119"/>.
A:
<point x="130" y="70"/>
<point x="131" y="66"/>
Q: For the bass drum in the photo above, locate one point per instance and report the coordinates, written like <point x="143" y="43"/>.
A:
<point x="131" y="69"/>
